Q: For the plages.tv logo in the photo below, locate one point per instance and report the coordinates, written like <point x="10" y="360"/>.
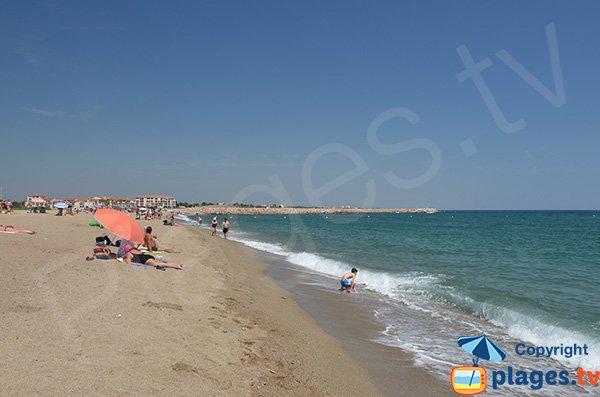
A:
<point x="472" y="379"/>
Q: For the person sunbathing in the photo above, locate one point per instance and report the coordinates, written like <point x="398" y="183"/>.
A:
<point x="151" y="243"/>
<point x="11" y="229"/>
<point x="133" y="255"/>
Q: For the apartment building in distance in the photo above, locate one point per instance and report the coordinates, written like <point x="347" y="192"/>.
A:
<point x="156" y="201"/>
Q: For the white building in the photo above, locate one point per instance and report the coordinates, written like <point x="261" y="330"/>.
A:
<point x="37" y="200"/>
<point x="156" y="201"/>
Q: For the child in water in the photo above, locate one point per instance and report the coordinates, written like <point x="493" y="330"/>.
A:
<point x="348" y="281"/>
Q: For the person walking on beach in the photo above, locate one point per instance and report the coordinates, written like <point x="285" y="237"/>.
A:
<point x="213" y="226"/>
<point x="348" y="281"/>
<point x="225" y="227"/>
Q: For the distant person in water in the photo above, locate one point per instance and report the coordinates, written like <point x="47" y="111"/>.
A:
<point x="225" y="227"/>
<point x="348" y="281"/>
<point x="213" y="226"/>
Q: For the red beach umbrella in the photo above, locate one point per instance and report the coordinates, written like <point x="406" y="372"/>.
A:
<point x="119" y="223"/>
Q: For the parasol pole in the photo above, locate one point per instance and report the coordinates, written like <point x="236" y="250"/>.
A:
<point x="473" y="374"/>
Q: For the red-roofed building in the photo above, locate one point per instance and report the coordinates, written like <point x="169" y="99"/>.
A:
<point x="37" y="200"/>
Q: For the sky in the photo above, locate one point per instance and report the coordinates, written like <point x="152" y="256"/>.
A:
<point x="362" y="103"/>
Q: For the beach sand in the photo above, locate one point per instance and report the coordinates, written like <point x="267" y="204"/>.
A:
<point x="219" y="328"/>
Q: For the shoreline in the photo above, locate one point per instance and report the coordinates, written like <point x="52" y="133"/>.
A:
<point x="351" y="322"/>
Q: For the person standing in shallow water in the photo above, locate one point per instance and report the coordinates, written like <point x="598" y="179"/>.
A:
<point x="348" y="281"/>
<point x="213" y="226"/>
<point x="225" y="227"/>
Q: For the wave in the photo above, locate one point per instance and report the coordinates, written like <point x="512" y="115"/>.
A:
<point x="183" y="218"/>
<point x="262" y="246"/>
<point x="428" y="294"/>
<point x="541" y="332"/>
<point x="385" y="283"/>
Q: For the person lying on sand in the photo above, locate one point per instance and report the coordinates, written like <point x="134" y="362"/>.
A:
<point x="348" y="281"/>
<point x="133" y="255"/>
<point x="151" y="243"/>
<point x="11" y="229"/>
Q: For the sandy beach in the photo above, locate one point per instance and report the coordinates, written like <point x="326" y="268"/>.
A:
<point x="221" y="327"/>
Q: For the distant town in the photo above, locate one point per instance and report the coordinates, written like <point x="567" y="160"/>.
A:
<point x="40" y="202"/>
<point x="155" y="201"/>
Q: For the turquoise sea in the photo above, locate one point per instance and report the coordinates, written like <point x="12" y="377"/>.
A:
<point x="516" y="276"/>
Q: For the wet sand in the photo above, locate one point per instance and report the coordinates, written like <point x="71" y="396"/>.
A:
<point x="347" y="317"/>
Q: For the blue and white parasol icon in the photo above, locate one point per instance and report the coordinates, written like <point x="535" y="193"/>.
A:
<point x="481" y="347"/>
<point x="61" y="205"/>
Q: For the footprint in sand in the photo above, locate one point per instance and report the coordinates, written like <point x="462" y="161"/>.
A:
<point x="183" y="367"/>
<point x="163" y="305"/>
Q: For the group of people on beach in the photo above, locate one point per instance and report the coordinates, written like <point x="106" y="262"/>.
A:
<point x="214" y="224"/>
<point x="6" y="207"/>
<point x="140" y="255"/>
<point x="135" y="254"/>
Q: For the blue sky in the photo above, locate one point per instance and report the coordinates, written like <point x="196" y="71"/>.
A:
<point x="206" y="100"/>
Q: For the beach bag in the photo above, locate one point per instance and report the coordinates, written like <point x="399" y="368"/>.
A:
<point x="103" y="240"/>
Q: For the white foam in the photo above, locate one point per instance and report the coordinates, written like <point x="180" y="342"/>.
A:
<point x="385" y="283"/>
<point x="534" y="330"/>
<point x="183" y="218"/>
<point x="425" y="293"/>
<point x="263" y="246"/>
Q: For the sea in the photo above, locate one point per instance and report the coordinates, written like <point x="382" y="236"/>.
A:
<point x="518" y="277"/>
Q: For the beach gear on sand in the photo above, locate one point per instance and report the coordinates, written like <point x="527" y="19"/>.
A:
<point x="119" y="223"/>
<point x="61" y="205"/>
<point x="95" y="224"/>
